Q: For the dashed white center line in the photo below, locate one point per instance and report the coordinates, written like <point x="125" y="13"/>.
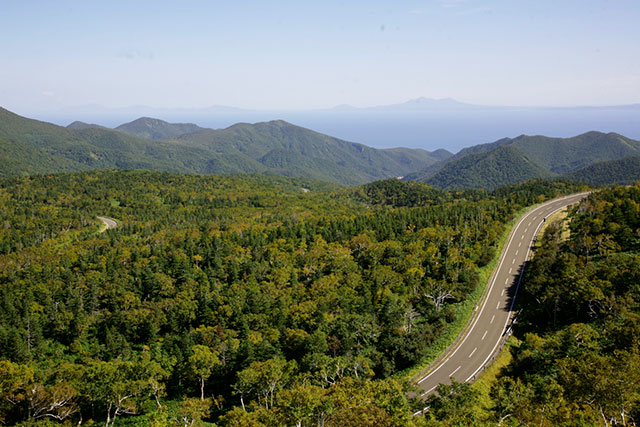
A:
<point x="517" y="252"/>
<point x="450" y="375"/>
<point x="506" y="280"/>
<point x="529" y="225"/>
<point x="522" y="237"/>
<point x="502" y="293"/>
<point x="492" y="318"/>
<point x="519" y="244"/>
<point x="510" y="270"/>
<point x="525" y="230"/>
<point x="474" y="350"/>
<point x="514" y="261"/>
<point x="485" y="334"/>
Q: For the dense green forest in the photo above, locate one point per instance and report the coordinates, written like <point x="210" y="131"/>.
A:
<point x="240" y="300"/>
<point x="564" y="155"/>
<point x="276" y="147"/>
<point x="594" y="158"/>
<point x="504" y="165"/>
<point x="577" y="357"/>
<point x="621" y="171"/>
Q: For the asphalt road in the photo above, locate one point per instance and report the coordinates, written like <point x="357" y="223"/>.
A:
<point x="482" y="338"/>
<point x="108" y="222"/>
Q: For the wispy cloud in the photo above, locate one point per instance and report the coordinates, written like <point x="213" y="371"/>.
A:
<point x="464" y="7"/>
<point x="133" y="54"/>
<point x="48" y="93"/>
<point x="476" y="11"/>
<point x="452" y="3"/>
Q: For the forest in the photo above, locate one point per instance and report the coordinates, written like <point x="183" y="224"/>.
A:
<point x="256" y="300"/>
<point x="576" y="354"/>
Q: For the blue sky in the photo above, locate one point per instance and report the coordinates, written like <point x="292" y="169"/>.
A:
<point x="303" y="55"/>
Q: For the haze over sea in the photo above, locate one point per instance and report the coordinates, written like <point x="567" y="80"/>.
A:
<point x="451" y="129"/>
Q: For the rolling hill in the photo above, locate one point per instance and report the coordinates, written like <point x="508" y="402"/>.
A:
<point x="78" y="125"/>
<point x="622" y="171"/>
<point x="488" y="165"/>
<point x="149" y="128"/>
<point x="564" y="155"/>
<point x="503" y="165"/>
<point x="279" y="148"/>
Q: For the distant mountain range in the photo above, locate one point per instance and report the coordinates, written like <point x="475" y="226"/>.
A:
<point x="29" y="146"/>
<point x="279" y="148"/>
<point x="412" y="105"/>
<point x="592" y="157"/>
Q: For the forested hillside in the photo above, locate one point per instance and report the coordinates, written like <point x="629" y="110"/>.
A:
<point x="239" y="300"/>
<point x="277" y="148"/>
<point x="622" y="171"/>
<point x="577" y="358"/>
<point x="593" y="158"/>
<point x="563" y="155"/>
<point x="149" y="128"/>
<point x="502" y="166"/>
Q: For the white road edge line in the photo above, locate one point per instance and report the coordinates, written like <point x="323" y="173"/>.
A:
<point x="493" y="282"/>
<point x="513" y="300"/>
<point x="504" y="253"/>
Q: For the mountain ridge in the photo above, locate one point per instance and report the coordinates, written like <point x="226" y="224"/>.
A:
<point x="558" y="156"/>
<point x="150" y="128"/>
<point x="29" y="146"/>
<point x="504" y="165"/>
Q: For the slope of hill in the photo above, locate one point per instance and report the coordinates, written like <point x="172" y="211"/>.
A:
<point x="563" y="155"/>
<point x="280" y="148"/>
<point x="149" y="128"/>
<point x="40" y="147"/>
<point x="555" y="155"/>
<point x="621" y="171"/>
<point x="503" y="165"/>
<point x="278" y="144"/>
<point x="78" y="125"/>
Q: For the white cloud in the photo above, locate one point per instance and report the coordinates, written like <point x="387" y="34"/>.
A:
<point x="477" y="10"/>
<point x="133" y="54"/>
<point x="48" y="93"/>
<point x="452" y="3"/>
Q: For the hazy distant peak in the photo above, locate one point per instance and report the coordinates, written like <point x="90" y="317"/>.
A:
<point x="344" y="107"/>
<point x="435" y="102"/>
<point x="150" y="128"/>
<point x="279" y="123"/>
<point x="441" y="154"/>
<point x="78" y="125"/>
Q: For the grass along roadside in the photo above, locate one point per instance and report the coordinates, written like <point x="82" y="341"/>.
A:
<point x="489" y="376"/>
<point x="560" y="216"/>
<point x="107" y="223"/>
<point x="464" y="310"/>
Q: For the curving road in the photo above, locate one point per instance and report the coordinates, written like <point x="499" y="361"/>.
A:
<point x="110" y="223"/>
<point x="478" y="343"/>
